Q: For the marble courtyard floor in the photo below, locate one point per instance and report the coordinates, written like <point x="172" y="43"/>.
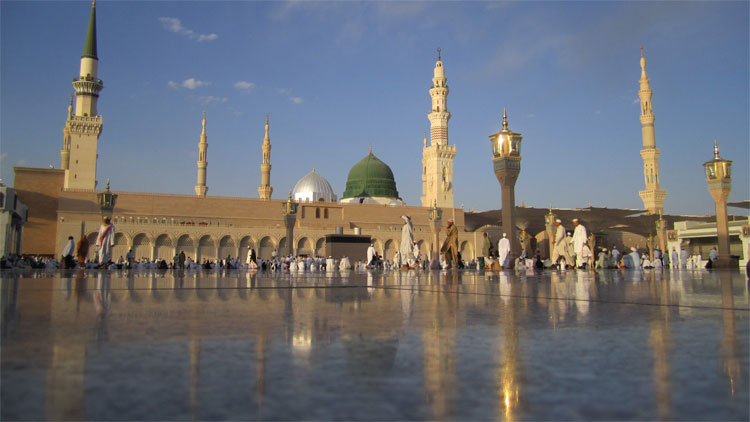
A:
<point x="456" y="345"/>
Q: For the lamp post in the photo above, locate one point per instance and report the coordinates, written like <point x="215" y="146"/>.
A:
<point x="289" y="209"/>
<point x="435" y="215"/>
<point x="719" y="179"/>
<point x="107" y="201"/>
<point x="506" y="159"/>
<point x="549" y="225"/>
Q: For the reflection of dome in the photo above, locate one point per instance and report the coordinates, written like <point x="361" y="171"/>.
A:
<point x="370" y="180"/>
<point x="313" y="187"/>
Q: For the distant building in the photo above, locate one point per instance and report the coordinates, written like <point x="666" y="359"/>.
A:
<point x="698" y="238"/>
<point x="13" y="215"/>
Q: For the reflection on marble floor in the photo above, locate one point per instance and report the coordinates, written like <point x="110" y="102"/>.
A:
<point x="404" y="345"/>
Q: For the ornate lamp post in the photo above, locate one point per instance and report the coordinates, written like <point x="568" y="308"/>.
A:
<point x="106" y="201"/>
<point x="549" y="225"/>
<point x="435" y="215"/>
<point x="719" y="178"/>
<point x="506" y="158"/>
<point x="289" y="209"/>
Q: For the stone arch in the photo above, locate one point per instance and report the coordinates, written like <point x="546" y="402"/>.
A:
<point x="122" y="244"/>
<point x="164" y="247"/>
<point x="142" y="246"/>
<point x="266" y="246"/>
<point x="305" y="247"/>
<point x="185" y="243"/>
<point x="206" y="248"/>
<point x="320" y="247"/>
<point x="467" y="250"/>
<point x="245" y="243"/>
<point x="227" y="246"/>
<point x="389" y="249"/>
<point x="378" y="245"/>
<point x="424" y="248"/>
<point x="92" y="244"/>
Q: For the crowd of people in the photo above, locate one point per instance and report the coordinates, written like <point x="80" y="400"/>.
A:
<point x="568" y="251"/>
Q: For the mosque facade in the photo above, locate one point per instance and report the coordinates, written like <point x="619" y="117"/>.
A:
<point x="160" y="225"/>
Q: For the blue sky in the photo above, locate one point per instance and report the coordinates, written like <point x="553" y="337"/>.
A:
<point x="339" y="76"/>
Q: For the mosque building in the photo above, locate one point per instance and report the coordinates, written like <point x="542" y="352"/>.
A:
<point x="65" y="201"/>
<point x="155" y="225"/>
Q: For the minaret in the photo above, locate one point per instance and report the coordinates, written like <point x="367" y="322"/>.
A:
<point x="653" y="197"/>
<point x="437" y="158"/>
<point x="265" y="190"/>
<point x="65" y="151"/>
<point x="79" y="153"/>
<point x="201" y="188"/>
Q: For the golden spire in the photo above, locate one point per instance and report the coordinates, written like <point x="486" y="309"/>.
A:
<point x="370" y="149"/>
<point x="439" y="59"/>
<point x="204" y="122"/>
<point x="716" y="150"/>
<point x="505" y="119"/>
<point x="643" y="65"/>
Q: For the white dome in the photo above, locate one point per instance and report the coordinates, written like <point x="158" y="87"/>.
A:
<point x="313" y="187"/>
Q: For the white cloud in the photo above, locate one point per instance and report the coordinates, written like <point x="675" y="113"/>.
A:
<point x="297" y="100"/>
<point x="172" y="84"/>
<point x="285" y="91"/>
<point x="210" y="99"/>
<point x="244" y="86"/>
<point x="175" y="25"/>
<point x="193" y="83"/>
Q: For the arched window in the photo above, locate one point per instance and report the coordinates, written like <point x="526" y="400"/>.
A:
<point x="317" y="212"/>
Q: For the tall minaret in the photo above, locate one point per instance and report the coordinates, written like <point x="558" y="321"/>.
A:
<point x="201" y="188"/>
<point x="65" y="151"/>
<point x="437" y="158"/>
<point x="653" y="197"/>
<point x="265" y="190"/>
<point x="79" y="153"/>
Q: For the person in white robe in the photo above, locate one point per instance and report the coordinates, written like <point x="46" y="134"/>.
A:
<point x="579" y="238"/>
<point x="560" y="247"/>
<point x="684" y="257"/>
<point x="345" y="264"/>
<point x="397" y="259"/>
<point x="105" y="241"/>
<point x="67" y="253"/>
<point x="406" y="249"/>
<point x="585" y="257"/>
<point x="675" y="258"/>
<point x="415" y="252"/>
<point x="371" y="255"/>
<point x="632" y="260"/>
<point x="615" y="256"/>
<point x="503" y="251"/>
<point x="330" y="266"/>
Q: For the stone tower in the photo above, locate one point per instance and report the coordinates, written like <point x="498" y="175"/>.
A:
<point x="201" y="188"/>
<point x="437" y="158"/>
<point x="652" y="196"/>
<point x="265" y="190"/>
<point x="82" y="129"/>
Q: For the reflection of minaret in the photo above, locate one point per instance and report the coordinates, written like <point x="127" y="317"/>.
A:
<point x="730" y="347"/>
<point x="439" y="340"/>
<point x="437" y="159"/>
<point x="509" y="371"/>
<point x="260" y="372"/>
<point x="79" y="153"/>
<point x="661" y="342"/>
<point x="265" y="190"/>
<point x="653" y="197"/>
<point x="195" y="369"/>
<point x="201" y="188"/>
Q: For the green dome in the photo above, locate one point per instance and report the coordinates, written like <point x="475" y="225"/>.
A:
<point x="370" y="177"/>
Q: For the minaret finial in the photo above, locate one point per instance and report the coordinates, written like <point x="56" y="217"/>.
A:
<point x="370" y="149"/>
<point x="642" y="55"/>
<point x="204" y="119"/>
<point x="267" y="118"/>
<point x="505" y="119"/>
<point x="716" y="150"/>
<point x="107" y="187"/>
<point x="439" y="59"/>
